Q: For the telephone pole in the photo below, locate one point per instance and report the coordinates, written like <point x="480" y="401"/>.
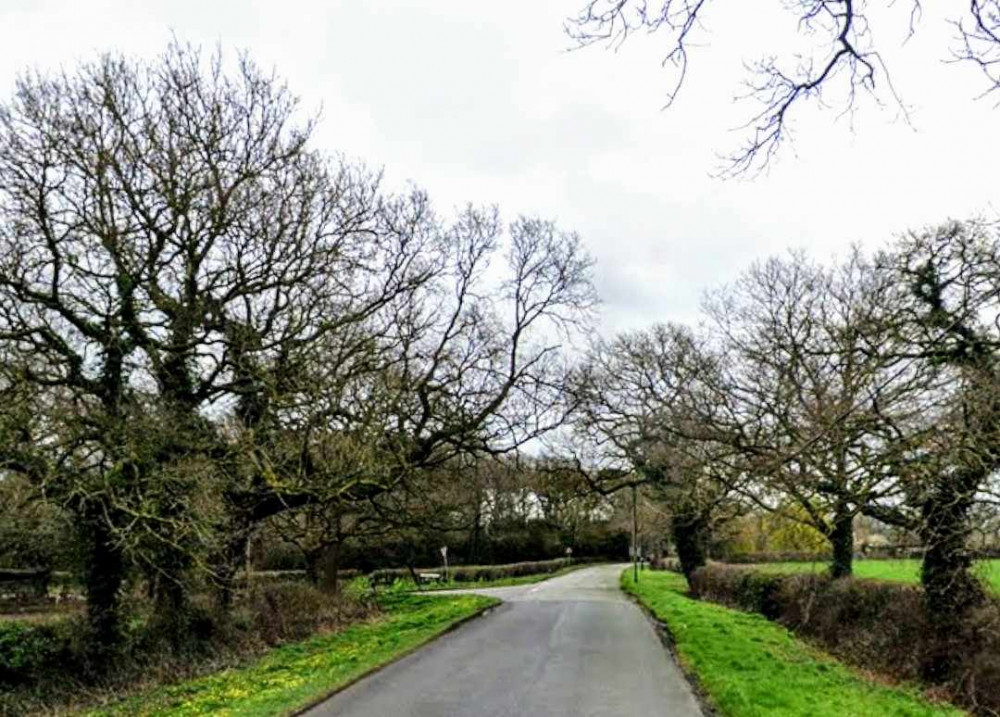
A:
<point x="635" y="534"/>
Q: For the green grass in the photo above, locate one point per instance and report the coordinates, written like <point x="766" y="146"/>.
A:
<point x="749" y="666"/>
<point x="906" y="571"/>
<point x="292" y="676"/>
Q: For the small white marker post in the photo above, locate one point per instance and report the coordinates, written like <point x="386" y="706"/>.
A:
<point x="444" y="554"/>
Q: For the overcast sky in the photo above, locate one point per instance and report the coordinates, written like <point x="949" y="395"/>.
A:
<point x="480" y="101"/>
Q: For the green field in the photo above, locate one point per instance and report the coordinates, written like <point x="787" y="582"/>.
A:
<point x="906" y="571"/>
<point x="295" y="675"/>
<point x="751" y="667"/>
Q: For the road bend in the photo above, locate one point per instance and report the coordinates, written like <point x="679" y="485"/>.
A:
<point x="572" y="646"/>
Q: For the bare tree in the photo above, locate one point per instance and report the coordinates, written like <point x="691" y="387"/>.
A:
<point x="647" y="416"/>
<point x="843" y="64"/>
<point x="825" y="399"/>
<point x="469" y="364"/>
<point x="171" y="249"/>
<point x="207" y="323"/>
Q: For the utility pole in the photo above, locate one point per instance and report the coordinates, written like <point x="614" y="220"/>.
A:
<point x="635" y="534"/>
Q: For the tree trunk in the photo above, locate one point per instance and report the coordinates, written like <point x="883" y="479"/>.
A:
<point x="313" y="558"/>
<point x="104" y="576"/>
<point x="689" y="533"/>
<point x="474" y="556"/>
<point x="842" y="541"/>
<point x="152" y="584"/>
<point x="331" y="568"/>
<point x="949" y="585"/>
<point x="760" y="541"/>
<point x="171" y="593"/>
<point x="231" y="560"/>
<point x="950" y="588"/>
<point x="172" y="614"/>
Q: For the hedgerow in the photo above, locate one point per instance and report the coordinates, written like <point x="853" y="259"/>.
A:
<point x="479" y="573"/>
<point x="45" y="664"/>
<point x="877" y="625"/>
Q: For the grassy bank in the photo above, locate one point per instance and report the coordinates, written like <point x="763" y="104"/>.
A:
<point x="749" y="666"/>
<point x="907" y="571"/>
<point x="294" y="675"/>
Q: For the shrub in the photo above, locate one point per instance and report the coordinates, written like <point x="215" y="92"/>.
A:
<point x="672" y="565"/>
<point x="26" y="651"/>
<point x="287" y="611"/>
<point x="738" y="587"/>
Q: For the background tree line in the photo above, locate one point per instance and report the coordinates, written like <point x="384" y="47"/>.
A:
<point x="824" y="395"/>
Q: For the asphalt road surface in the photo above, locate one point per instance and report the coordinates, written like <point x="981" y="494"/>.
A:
<point x="572" y="646"/>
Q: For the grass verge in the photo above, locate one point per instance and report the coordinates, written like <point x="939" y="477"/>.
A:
<point x="748" y="666"/>
<point x="293" y="676"/>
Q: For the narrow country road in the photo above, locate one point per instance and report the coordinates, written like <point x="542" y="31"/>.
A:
<point x="572" y="646"/>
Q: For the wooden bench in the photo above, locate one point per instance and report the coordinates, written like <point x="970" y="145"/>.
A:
<point x="429" y="577"/>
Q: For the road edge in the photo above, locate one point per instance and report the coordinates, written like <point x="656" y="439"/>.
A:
<point x="315" y="702"/>
<point x="670" y="645"/>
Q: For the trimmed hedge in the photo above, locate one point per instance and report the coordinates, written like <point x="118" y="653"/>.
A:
<point x="876" y="625"/>
<point x="477" y="573"/>
<point x="787" y="557"/>
<point x="739" y="587"/>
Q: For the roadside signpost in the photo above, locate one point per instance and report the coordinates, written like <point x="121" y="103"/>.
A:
<point x="444" y="554"/>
